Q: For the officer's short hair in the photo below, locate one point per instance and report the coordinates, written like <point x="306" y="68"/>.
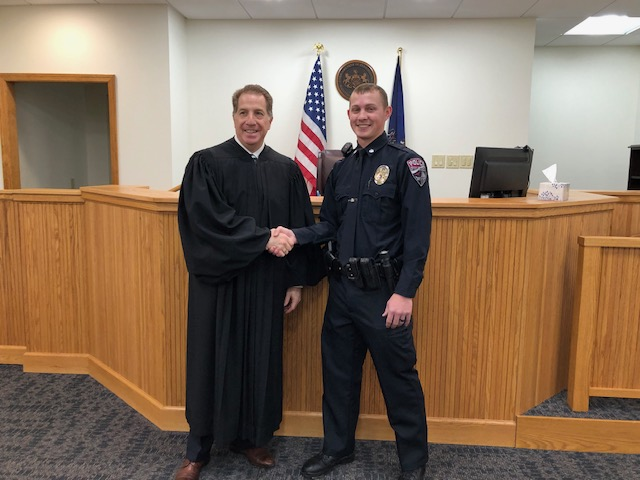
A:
<point x="258" y="90"/>
<point x="372" y="87"/>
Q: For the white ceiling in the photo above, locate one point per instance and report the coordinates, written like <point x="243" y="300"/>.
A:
<point x="554" y="17"/>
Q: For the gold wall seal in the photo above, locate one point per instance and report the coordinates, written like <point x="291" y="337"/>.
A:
<point x="351" y="74"/>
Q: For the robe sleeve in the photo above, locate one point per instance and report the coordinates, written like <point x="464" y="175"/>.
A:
<point x="216" y="241"/>
<point x="305" y="263"/>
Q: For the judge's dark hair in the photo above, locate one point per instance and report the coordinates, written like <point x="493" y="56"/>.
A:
<point x="372" y="87"/>
<point x="258" y="90"/>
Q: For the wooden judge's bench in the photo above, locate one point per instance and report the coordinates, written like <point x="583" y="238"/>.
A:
<point x="93" y="281"/>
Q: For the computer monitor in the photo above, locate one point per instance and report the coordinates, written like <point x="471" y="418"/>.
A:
<point x="501" y="172"/>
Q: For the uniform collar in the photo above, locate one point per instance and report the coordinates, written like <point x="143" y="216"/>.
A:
<point x="376" y="145"/>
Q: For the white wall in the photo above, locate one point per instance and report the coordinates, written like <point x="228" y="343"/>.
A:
<point x="180" y="148"/>
<point x="585" y="113"/>
<point x="466" y="83"/>
<point x="128" y="41"/>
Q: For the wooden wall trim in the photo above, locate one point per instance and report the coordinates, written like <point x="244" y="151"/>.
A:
<point x="607" y="241"/>
<point x="511" y="208"/>
<point x="9" y="125"/>
<point x="133" y="197"/>
<point x="12" y="355"/>
<point x="578" y="434"/>
<point x="583" y="328"/>
<point x="9" y="136"/>
<point x="614" y="392"/>
<point x="45" y="195"/>
<point x="113" y="129"/>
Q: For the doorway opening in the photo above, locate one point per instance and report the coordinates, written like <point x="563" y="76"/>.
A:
<point x="58" y="130"/>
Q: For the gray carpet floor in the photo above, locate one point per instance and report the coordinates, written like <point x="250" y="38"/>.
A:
<point x="69" y="427"/>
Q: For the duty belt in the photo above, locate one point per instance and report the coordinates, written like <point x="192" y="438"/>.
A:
<point x="365" y="272"/>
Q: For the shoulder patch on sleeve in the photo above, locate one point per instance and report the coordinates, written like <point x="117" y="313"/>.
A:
<point x="418" y="170"/>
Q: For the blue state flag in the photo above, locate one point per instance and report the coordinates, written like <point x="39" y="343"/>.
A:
<point x="396" y="121"/>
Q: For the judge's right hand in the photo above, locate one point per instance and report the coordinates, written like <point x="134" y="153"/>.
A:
<point x="286" y="232"/>
<point x="279" y="245"/>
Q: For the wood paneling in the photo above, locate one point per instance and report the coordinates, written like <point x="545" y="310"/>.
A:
<point x="51" y="263"/>
<point x="129" y="299"/>
<point x="606" y="323"/>
<point x="492" y="317"/>
<point x="12" y="332"/>
<point x="626" y="213"/>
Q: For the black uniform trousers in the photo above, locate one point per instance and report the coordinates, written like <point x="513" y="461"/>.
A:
<point x="353" y="324"/>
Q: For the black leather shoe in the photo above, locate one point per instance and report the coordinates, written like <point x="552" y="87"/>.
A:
<point x="417" y="474"/>
<point x="321" y="464"/>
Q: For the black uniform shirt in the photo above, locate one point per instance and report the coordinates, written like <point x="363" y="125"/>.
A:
<point x="378" y="199"/>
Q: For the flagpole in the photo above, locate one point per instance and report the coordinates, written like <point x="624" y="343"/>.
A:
<point x="312" y="138"/>
<point x="400" y="55"/>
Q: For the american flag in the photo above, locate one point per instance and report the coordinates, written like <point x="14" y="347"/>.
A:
<point x="313" y="129"/>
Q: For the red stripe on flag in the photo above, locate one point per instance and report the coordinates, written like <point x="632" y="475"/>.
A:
<point x="312" y="136"/>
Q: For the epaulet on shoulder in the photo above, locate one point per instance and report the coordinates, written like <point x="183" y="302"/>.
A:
<point x="403" y="148"/>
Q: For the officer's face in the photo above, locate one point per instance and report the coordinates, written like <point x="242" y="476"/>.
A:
<point x="251" y="120"/>
<point x="367" y="115"/>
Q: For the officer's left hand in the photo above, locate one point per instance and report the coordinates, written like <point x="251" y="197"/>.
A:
<point x="398" y="311"/>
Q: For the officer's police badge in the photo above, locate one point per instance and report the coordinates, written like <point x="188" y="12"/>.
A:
<point x="418" y="169"/>
<point x="381" y="175"/>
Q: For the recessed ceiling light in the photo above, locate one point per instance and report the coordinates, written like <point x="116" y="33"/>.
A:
<point x="606" y="25"/>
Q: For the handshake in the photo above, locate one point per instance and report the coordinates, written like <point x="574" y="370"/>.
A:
<point x="281" y="242"/>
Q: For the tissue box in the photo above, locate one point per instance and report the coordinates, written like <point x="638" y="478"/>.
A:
<point x="558" y="191"/>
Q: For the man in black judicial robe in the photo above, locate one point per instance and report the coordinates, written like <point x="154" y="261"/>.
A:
<point x="232" y="195"/>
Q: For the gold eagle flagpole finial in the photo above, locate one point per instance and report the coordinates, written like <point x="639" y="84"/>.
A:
<point x="319" y="48"/>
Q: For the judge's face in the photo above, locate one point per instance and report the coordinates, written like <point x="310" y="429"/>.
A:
<point x="251" y="120"/>
<point x="367" y="115"/>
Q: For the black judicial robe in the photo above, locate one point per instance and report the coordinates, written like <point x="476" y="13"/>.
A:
<point x="228" y="203"/>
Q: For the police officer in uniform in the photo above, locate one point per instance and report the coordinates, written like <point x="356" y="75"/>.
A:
<point x="377" y="215"/>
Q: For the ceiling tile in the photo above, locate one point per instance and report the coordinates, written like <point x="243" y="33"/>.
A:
<point x="421" y="8"/>
<point x="493" y="8"/>
<point x="549" y="29"/>
<point x="130" y="2"/>
<point x="352" y="9"/>
<point x="622" y="7"/>
<point x="633" y="39"/>
<point x="582" y="40"/>
<point x="279" y="9"/>
<point x="566" y="8"/>
<point x="58" y="2"/>
<point x="207" y="9"/>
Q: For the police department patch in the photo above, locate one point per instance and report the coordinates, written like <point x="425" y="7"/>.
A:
<point x="418" y="169"/>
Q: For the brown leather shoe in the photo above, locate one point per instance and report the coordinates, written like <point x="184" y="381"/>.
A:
<point x="189" y="470"/>
<point x="257" y="456"/>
